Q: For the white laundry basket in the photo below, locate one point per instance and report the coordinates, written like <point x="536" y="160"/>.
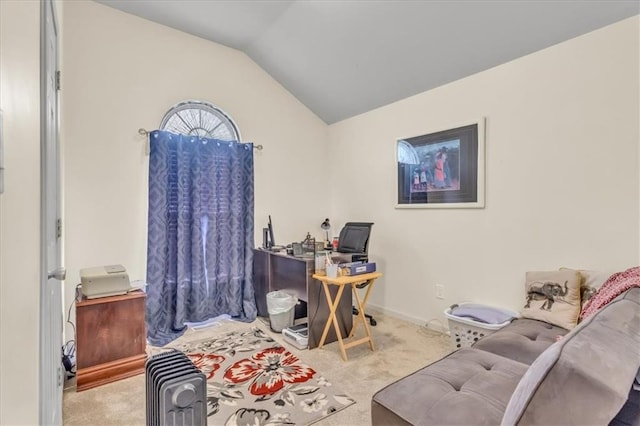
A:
<point x="466" y="331"/>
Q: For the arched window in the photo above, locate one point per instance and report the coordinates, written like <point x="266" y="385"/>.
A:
<point x="199" y="118"/>
<point x="407" y="153"/>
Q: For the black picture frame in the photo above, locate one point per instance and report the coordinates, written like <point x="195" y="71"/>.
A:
<point x="442" y="169"/>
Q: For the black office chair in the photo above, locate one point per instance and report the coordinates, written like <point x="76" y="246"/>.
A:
<point x="354" y="239"/>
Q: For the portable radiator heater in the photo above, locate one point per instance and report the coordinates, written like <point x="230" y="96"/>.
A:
<point x="175" y="390"/>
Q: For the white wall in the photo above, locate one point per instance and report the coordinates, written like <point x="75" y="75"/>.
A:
<point x="562" y="166"/>
<point x="20" y="212"/>
<point x="562" y="182"/>
<point x="122" y="73"/>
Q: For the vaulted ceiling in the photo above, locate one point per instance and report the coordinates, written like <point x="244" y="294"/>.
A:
<point x="343" y="58"/>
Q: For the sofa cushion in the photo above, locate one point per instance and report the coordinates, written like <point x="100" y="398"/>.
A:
<point x="598" y="361"/>
<point x="467" y="384"/>
<point x="553" y="297"/>
<point x="523" y="340"/>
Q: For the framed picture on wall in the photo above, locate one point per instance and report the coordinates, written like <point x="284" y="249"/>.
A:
<point x="442" y="169"/>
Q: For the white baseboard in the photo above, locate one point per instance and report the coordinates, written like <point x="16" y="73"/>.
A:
<point x="432" y="324"/>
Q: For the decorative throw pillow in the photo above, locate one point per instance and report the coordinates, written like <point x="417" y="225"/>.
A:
<point x="553" y="297"/>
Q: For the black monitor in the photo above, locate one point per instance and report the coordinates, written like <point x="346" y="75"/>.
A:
<point x="272" y="241"/>
<point x="268" y="242"/>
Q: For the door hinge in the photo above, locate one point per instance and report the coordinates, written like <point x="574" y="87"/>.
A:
<point x="59" y="228"/>
<point x="60" y="377"/>
<point x="58" y="80"/>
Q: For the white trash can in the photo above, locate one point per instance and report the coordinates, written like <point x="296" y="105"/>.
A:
<point x="466" y="331"/>
<point x="280" y="306"/>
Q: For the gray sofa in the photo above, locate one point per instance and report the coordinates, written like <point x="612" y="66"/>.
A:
<point x="521" y="375"/>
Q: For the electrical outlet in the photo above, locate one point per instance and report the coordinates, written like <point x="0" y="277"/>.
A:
<point x="439" y="291"/>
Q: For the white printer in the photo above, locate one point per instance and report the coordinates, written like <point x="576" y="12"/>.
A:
<point x="102" y="281"/>
<point x="297" y="335"/>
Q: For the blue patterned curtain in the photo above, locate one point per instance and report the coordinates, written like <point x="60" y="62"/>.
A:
<point x="200" y="235"/>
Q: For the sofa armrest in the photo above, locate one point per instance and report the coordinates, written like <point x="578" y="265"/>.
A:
<point x="585" y="377"/>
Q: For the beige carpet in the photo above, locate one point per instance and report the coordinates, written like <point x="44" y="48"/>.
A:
<point x="401" y="348"/>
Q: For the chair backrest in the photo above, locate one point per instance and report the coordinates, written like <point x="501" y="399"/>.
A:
<point x="354" y="237"/>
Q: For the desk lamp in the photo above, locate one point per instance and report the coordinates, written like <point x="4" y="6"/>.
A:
<point x="326" y="226"/>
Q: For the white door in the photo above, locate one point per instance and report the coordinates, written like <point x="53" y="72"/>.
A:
<point x="52" y="274"/>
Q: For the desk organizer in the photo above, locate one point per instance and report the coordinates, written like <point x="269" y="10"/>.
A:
<point x="356" y="268"/>
<point x="309" y="247"/>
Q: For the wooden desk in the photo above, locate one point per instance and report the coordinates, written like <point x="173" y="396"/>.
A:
<point x="110" y="339"/>
<point x="355" y="281"/>
<point x="278" y="271"/>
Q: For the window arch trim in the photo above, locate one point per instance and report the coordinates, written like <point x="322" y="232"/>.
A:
<point x="225" y="119"/>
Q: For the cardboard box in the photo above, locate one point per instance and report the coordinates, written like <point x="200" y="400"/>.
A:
<point x="357" y="268"/>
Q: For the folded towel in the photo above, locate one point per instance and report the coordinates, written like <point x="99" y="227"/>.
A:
<point x="481" y="313"/>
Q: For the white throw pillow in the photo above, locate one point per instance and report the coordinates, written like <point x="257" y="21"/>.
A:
<point x="590" y="281"/>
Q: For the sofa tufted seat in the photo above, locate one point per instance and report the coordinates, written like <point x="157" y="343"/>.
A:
<point x="465" y="384"/>
<point x="523" y="340"/>
<point x="584" y="378"/>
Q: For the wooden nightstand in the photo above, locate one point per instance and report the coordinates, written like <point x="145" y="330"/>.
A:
<point x="110" y="339"/>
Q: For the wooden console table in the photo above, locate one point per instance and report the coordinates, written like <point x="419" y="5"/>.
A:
<point x="110" y="339"/>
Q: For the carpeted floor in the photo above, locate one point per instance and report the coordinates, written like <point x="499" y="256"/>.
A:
<point x="401" y="348"/>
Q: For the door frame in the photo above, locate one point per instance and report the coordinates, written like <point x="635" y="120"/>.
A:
<point x="50" y="371"/>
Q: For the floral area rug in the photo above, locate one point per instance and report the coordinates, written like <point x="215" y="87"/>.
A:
<point x="252" y="380"/>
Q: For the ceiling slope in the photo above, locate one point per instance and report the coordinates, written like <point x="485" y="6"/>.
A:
<point x="343" y="58"/>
